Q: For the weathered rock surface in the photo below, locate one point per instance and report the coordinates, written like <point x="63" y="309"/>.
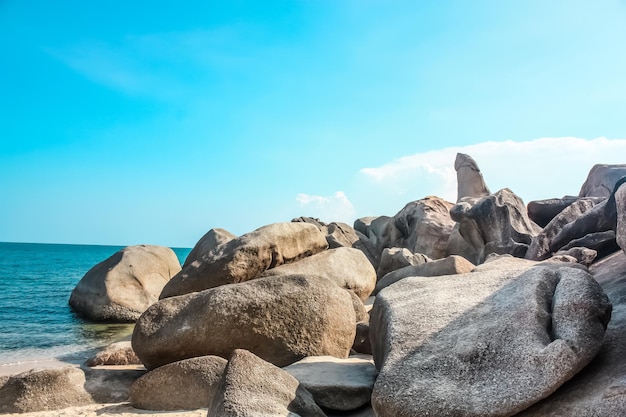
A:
<point x="50" y="389"/>
<point x="280" y="319"/>
<point x="497" y="223"/>
<point x="601" y="180"/>
<point x="336" y="384"/>
<point x="212" y="239"/>
<point x="184" y="385"/>
<point x="340" y="235"/>
<point x="620" y="226"/>
<point x="123" y="286"/>
<point x="397" y="258"/>
<point x="247" y="256"/>
<point x="118" y="353"/>
<point x="584" y="256"/>
<point x="423" y="226"/>
<point x="488" y="343"/>
<point x="450" y="265"/>
<point x="251" y="387"/>
<point x="599" y="390"/>
<point x="55" y="389"/>
<point x="563" y="228"/>
<point x="362" y="342"/>
<point x="543" y="211"/>
<point x="348" y="268"/>
<point x="470" y="181"/>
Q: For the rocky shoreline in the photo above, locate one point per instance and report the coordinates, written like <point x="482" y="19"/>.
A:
<point x="482" y="307"/>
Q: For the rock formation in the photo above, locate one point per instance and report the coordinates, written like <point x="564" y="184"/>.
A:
<point x="123" y="286"/>
<point x="247" y="256"/>
<point x="212" y="239"/>
<point x="470" y="182"/>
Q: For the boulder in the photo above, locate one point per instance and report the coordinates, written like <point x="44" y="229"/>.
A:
<point x="497" y="223"/>
<point x="184" y="385"/>
<point x="599" y="390"/>
<point x="375" y="229"/>
<point x="340" y="235"/>
<point x="362" y="339"/>
<point x="602" y="242"/>
<point x="601" y="180"/>
<point x="280" y="319"/>
<point x="118" y="353"/>
<point x="470" y="182"/>
<point x="362" y="225"/>
<point x="42" y="390"/>
<point x="58" y="388"/>
<point x="336" y="384"/>
<point x="584" y="256"/>
<point x="423" y="226"/>
<point x="212" y="239"/>
<point x="247" y="256"/>
<point x="450" y="265"/>
<point x="123" y="286"/>
<point x="488" y="343"/>
<point x="543" y="211"/>
<point x="348" y="268"/>
<point x="620" y="207"/>
<point x="251" y="387"/>
<point x="396" y="258"/>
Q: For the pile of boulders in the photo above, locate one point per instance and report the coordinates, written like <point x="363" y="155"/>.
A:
<point x="483" y="307"/>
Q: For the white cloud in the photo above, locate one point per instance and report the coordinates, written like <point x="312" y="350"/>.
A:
<point x="328" y="209"/>
<point x="535" y="169"/>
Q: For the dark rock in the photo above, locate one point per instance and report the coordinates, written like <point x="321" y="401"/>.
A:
<point x="601" y="180"/>
<point x="543" y="211"/>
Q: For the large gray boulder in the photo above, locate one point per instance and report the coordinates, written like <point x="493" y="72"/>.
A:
<point x="543" y="211"/>
<point x="58" y="388"/>
<point x="397" y="258"/>
<point x="349" y="268"/>
<point x="247" y="256"/>
<point x="488" y="343"/>
<point x="123" y="286"/>
<point x="601" y="180"/>
<point x="252" y="387"/>
<point x="280" y="319"/>
<point x="212" y="239"/>
<point x="620" y="223"/>
<point x="497" y="223"/>
<point x="470" y="181"/>
<point x="599" y="390"/>
<point x="423" y="226"/>
<point x="184" y="385"/>
<point x="336" y="384"/>
<point x="450" y="265"/>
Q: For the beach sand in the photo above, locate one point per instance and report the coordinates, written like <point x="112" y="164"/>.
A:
<point x="118" y="410"/>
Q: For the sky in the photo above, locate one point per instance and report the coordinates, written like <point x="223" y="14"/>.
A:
<point x="143" y="122"/>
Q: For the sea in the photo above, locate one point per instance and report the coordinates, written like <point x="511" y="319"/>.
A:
<point x="36" y="321"/>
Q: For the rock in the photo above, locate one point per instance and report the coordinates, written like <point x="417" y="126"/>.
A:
<point x="584" y="256"/>
<point x="348" y="268"/>
<point x="360" y="311"/>
<point x="543" y="211"/>
<point x="340" y="235"/>
<point x="488" y="343"/>
<point x="336" y="384"/>
<point x="280" y="319"/>
<point x="184" y="385"/>
<point x="599" y="390"/>
<point x="42" y="390"/>
<point x="311" y="220"/>
<point x="375" y="230"/>
<point x="559" y="231"/>
<point x="423" y="226"/>
<point x="247" y="256"/>
<point x="620" y="207"/>
<point x="363" y="224"/>
<point x="470" y="182"/>
<point x="212" y="239"/>
<point x="450" y="265"/>
<point x="123" y="286"/>
<point x="118" y="353"/>
<point x="251" y="387"/>
<point x="58" y="388"/>
<point x="362" y="339"/>
<point x="397" y="258"/>
<point x="602" y="242"/>
<point x="497" y="223"/>
<point x="601" y="180"/>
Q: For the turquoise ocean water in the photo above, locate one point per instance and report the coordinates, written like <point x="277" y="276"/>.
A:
<point x="35" y="285"/>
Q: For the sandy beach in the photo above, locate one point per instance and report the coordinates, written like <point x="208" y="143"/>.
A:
<point x="119" y="410"/>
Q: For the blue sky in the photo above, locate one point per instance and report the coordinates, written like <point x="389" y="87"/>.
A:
<point x="152" y="122"/>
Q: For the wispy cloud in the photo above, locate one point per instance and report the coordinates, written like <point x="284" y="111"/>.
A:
<point x="330" y="208"/>
<point x="534" y="169"/>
